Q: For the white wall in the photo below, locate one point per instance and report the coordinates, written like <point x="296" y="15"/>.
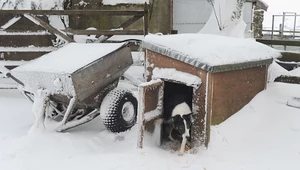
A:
<point x="248" y="15"/>
<point x="189" y="16"/>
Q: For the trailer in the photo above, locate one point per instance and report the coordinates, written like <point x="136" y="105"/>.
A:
<point x="78" y="82"/>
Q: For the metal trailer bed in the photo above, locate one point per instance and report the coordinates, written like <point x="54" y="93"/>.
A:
<point x="77" y="82"/>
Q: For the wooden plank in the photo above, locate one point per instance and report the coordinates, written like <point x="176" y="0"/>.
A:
<point x="26" y="40"/>
<point x="281" y="31"/>
<point x="279" y="42"/>
<point x="124" y="25"/>
<point x="48" y="27"/>
<point x="10" y="22"/>
<point x="27" y="49"/>
<point x="105" y="32"/>
<point x="150" y="107"/>
<point x="129" y="22"/>
<point x="288" y="79"/>
<point x="146" y="19"/>
<point x="141" y="118"/>
<point x="20" y="56"/>
<point x="74" y="12"/>
<point x="290" y="56"/>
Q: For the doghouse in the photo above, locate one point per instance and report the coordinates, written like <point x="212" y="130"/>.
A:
<point x="221" y="74"/>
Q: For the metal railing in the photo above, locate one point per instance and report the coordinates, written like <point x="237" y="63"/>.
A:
<point x="292" y="33"/>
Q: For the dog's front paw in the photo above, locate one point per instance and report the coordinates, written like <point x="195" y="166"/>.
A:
<point x="180" y="154"/>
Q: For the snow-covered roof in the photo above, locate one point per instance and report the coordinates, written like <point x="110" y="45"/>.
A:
<point x="212" y="53"/>
<point x="70" y="58"/>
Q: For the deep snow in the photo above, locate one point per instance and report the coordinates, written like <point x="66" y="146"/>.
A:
<point x="265" y="134"/>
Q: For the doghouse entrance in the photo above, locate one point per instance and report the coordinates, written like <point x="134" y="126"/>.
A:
<point x="174" y="89"/>
<point x="153" y="96"/>
<point x="174" y="93"/>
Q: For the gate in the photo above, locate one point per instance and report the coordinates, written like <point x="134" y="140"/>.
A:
<point x="35" y="40"/>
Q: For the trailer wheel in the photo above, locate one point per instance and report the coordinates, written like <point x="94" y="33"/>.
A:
<point x="119" y="110"/>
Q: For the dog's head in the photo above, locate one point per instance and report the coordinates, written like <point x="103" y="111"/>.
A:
<point x="182" y="124"/>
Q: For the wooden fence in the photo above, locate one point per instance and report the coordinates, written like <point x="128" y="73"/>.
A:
<point x="17" y="52"/>
<point x="119" y="30"/>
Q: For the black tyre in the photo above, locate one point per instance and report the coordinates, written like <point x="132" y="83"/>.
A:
<point x="119" y="110"/>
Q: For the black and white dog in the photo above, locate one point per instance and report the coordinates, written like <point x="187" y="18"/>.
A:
<point x="177" y="119"/>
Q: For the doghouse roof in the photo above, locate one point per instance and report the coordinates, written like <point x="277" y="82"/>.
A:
<point x="212" y="53"/>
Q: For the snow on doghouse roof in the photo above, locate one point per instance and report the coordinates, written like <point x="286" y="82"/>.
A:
<point x="212" y="53"/>
<point x="70" y="58"/>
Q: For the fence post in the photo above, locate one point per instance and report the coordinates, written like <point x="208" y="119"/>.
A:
<point x="282" y="26"/>
<point x="295" y="21"/>
<point x="272" y="35"/>
<point x="146" y="22"/>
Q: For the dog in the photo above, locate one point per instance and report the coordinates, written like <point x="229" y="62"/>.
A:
<point x="177" y="119"/>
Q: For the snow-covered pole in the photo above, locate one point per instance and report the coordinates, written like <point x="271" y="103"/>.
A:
<point x="6" y="73"/>
<point x="4" y="70"/>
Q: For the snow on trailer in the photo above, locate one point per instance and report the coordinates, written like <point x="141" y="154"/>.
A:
<point x="74" y="80"/>
<point x="60" y="70"/>
<point x="231" y="71"/>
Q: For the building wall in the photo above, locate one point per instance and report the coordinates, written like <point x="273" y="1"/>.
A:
<point x="248" y="15"/>
<point x="190" y="16"/>
<point x="232" y="90"/>
<point x="200" y="130"/>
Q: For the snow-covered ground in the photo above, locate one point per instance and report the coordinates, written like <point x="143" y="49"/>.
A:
<point x="264" y="135"/>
